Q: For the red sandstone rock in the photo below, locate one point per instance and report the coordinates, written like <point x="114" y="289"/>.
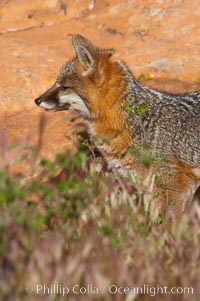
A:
<point x="158" y="38"/>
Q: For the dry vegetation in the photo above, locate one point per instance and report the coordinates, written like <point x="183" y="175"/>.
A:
<point x="87" y="226"/>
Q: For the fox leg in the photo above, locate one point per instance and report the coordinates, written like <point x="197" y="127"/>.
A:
<point x="174" y="194"/>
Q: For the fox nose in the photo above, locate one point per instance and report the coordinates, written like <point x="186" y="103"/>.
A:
<point x="38" y="101"/>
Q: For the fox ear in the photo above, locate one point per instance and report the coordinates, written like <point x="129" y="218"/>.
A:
<point x="85" y="52"/>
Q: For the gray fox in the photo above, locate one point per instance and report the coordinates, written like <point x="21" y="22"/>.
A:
<point x="135" y="126"/>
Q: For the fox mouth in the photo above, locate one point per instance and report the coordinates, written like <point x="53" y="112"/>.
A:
<point x="66" y="107"/>
<point x="52" y="108"/>
<point x="56" y="109"/>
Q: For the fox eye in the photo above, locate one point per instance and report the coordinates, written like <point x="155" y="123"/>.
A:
<point x="64" y="88"/>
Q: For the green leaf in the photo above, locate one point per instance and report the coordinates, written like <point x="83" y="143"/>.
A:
<point x="114" y="242"/>
<point x="106" y="229"/>
<point x="135" y="152"/>
<point x="142" y="109"/>
<point x="148" y="160"/>
<point x="130" y="110"/>
<point x="159" y="219"/>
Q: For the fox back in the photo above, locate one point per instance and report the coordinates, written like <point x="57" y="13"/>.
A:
<point x="131" y="121"/>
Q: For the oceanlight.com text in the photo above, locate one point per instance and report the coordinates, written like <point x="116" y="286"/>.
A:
<point x="90" y="289"/>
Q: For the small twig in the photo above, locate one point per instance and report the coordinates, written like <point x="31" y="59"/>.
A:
<point x="40" y="136"/>
<point x="4" y="148"/>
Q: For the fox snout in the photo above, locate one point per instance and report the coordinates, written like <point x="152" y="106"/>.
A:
<point x="58" y="98"/>
<point x="48" y="100"/>
<point x="51" y="100"/>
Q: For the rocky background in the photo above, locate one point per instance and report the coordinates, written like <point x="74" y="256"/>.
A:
<point x="159" y="40"/>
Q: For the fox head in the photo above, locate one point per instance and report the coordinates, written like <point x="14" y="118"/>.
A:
<point x="80" y="80"/>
